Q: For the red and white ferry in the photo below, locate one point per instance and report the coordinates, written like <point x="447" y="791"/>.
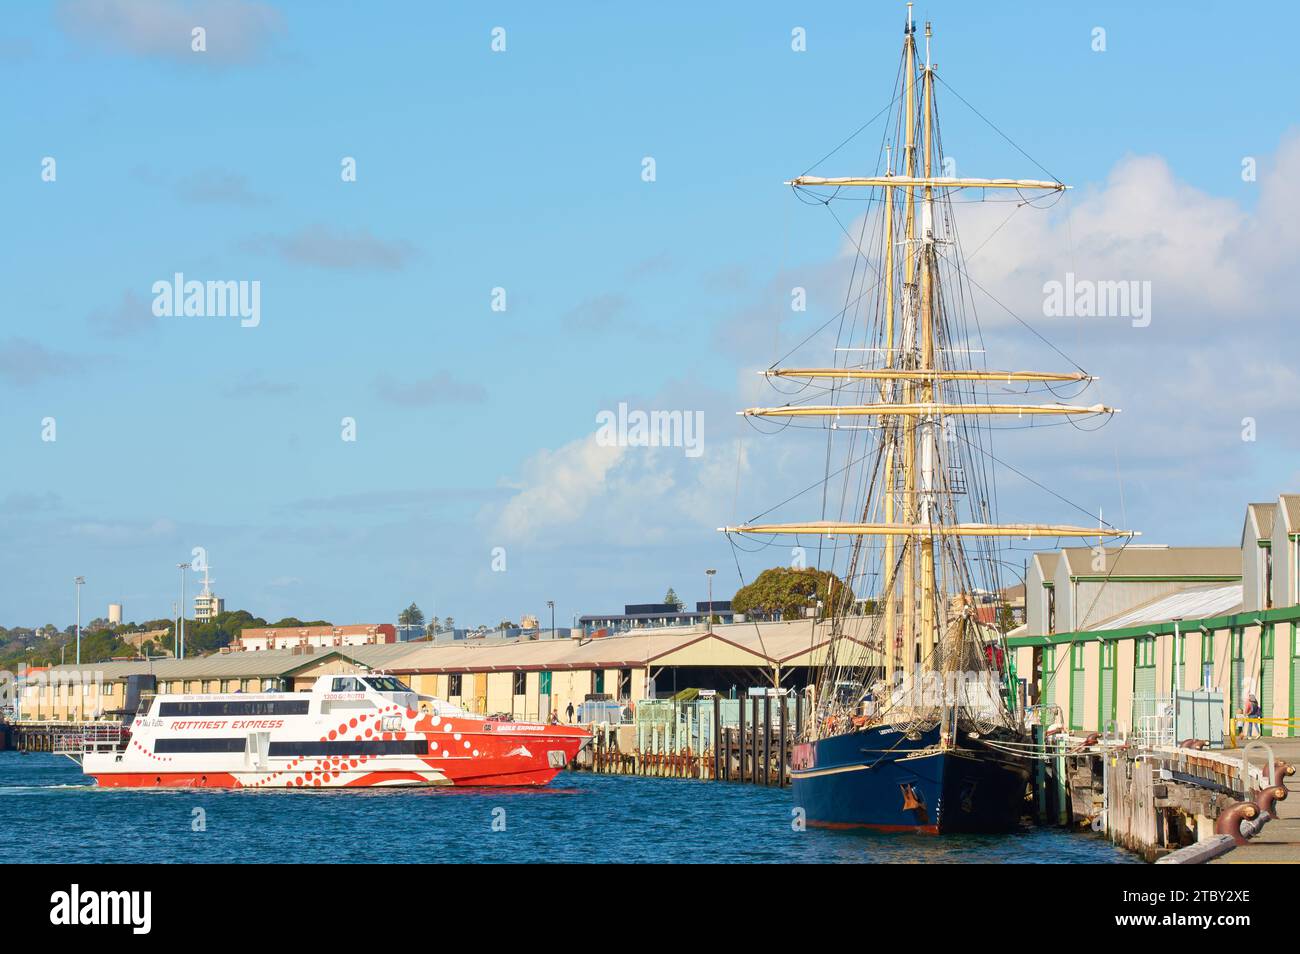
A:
<point x="357" y="731"/>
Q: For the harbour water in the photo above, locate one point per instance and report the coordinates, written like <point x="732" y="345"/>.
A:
<point x="48" y="814"/>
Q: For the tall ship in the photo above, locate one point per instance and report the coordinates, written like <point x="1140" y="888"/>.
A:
<point x="368" y="730"/>
<point x="918" y="722"/>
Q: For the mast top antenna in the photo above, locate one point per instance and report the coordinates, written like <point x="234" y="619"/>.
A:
<point x="911" y="27"/>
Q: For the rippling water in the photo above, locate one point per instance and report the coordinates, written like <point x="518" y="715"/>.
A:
<point x="47" y="813"/>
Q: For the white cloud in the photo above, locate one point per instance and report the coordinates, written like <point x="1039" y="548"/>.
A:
<point x="1219" y="348"/>
<point x="557" y="488"/>
<point x="237" y="30"/>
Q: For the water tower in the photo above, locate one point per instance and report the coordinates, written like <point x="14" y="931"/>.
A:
<point x="115" y="614"/>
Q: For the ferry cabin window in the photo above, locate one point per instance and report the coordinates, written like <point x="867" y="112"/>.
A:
<point x="387" y="684"/>
<point x="348" y="684"/>
<point x="264" y="707"/>
<point x="175" y="746"/>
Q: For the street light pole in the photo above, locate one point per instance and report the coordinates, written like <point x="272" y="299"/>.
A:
<point x="81" y="685"/>
<point x="180" y="645"/>
<point x="78" y="583"/>
<point x="551" y="604"/>
<point x="709" y="574"/>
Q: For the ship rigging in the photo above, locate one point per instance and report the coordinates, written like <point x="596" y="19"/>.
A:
<point x="912" y="515"/>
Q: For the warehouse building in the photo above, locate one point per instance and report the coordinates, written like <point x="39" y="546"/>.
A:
<point x="526" y="679"/>
<point x="1112" y="634"/>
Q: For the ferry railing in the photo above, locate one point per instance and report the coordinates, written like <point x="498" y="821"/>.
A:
<point x="97" y="737"/>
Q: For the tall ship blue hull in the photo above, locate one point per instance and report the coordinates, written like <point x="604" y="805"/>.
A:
<point x="881" y="779"/>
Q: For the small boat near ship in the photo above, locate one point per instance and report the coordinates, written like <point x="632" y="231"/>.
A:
<point x="920" y="726"/>
<point x="357" y="731"/>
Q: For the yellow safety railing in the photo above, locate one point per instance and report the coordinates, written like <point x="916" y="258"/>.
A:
<point x="1261" y="721"/>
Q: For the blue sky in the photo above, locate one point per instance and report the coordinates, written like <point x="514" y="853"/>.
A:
<point x="522" y="170"/>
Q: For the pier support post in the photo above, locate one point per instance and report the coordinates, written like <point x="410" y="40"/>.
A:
<point x="1040" y="775"/>
<point x="717" y="732"/>
<point x="780" y="764"/>
<point x="742" y="774"/>
<point x="767" y="740"/>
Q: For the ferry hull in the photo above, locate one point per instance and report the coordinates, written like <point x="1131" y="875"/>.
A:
<point x="438" y="750"/>
<point x="878" y="779"/>
<point x="319" y="779"/>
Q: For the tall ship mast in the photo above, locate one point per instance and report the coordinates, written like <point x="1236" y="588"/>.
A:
<point x="916" y="723"/>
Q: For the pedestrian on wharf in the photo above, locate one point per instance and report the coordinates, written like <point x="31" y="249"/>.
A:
<point x="1253" y="711"/>
<point x="569" y="712"/>
<point x="555" y="717"/>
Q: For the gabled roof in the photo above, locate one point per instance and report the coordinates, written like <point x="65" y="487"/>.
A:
<point x="1045" y="561"/>
<point x="1156" y="562"/>
<point x="273" y="662"/>
<point x="1259" y="518"/>
<point x="1289" y="505"/>
<point x="768" y="644"/>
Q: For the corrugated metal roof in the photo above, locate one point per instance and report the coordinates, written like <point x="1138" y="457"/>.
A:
<point x="1261" y="514"/>
<point x="1046" y="563"/>
<point x="1194" y="603"/>
<point x="1139" y="560"/>
<point x="769" y="642"/>
<point x="1290" y="506"/>
<point x="238" y="665"/>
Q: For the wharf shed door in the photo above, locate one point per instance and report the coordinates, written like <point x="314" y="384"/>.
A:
<point x="1049" y="695"/>
<point x="1076" y="685"/>
<point x="1237" y="700"/>
<point x="1144" y="680"/>
<point x="1106" y="702"/>
<point x="1266" y="678"/>
<point x="1295" y="670"/>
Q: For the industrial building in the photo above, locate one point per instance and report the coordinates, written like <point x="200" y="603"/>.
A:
<point x="1112" y="634"/>
<point x="527" y="679"/>
<point x="646" y="615"/>
<point x="318" y="637"/>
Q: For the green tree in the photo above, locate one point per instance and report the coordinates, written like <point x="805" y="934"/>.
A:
<point x="671" y="599"/>
<point x="786" y="593"/>
<point x="293" y="622"/>
<point x="411" y="616"/>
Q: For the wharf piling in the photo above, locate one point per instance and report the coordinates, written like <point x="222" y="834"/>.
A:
<point x="726" y="740"/>
<point x="1161" y="801"/>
